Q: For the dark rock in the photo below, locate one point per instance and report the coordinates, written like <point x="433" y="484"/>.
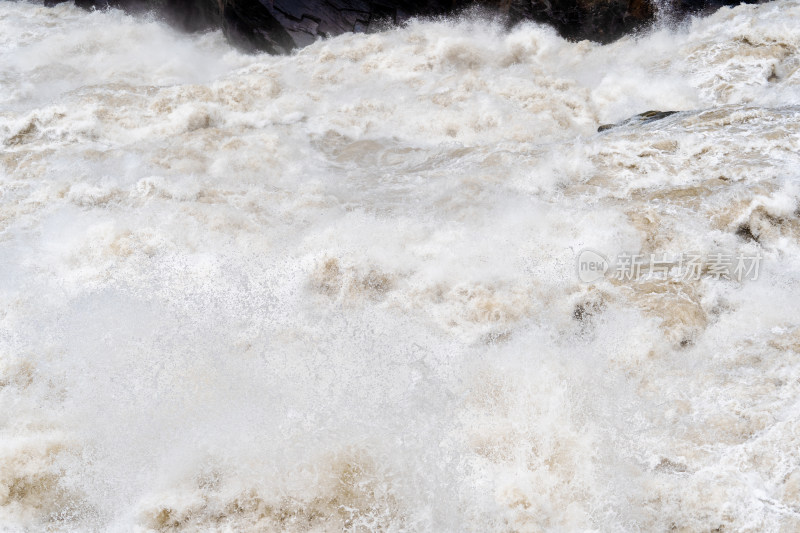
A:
<point x="281" y="25"/>
<point x="597" y="20"/>
<point x="251" y="26"/>
<point x="642" y="118"/>
<point x="192" y="15"/>
<point x="278" y="26"/>
<point x="706" y="6"/>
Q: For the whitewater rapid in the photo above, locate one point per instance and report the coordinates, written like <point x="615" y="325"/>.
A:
<point x="338" y="290"/>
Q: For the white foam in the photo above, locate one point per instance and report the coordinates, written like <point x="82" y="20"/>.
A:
<point x="337" y="290"/>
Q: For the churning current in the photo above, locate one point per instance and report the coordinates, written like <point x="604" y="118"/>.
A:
<point x="399" y="281"/>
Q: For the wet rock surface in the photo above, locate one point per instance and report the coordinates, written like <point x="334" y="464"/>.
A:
<point x="642" y="118"/>
<point x="278" y="26"/>
<point x="282" y="25"/>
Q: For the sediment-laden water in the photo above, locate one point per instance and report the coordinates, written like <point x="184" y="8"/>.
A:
<point x="341" y="290"/>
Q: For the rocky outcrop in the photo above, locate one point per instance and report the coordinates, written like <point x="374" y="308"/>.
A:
<point x="281" y="25"/>
<point x="597" y="20"/>
<point x="278" y="26"/>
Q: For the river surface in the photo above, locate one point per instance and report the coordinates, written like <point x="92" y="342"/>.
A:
<point x="381" y="284"/>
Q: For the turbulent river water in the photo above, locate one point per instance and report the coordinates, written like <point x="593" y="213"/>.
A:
<point x="348" y="289"/>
